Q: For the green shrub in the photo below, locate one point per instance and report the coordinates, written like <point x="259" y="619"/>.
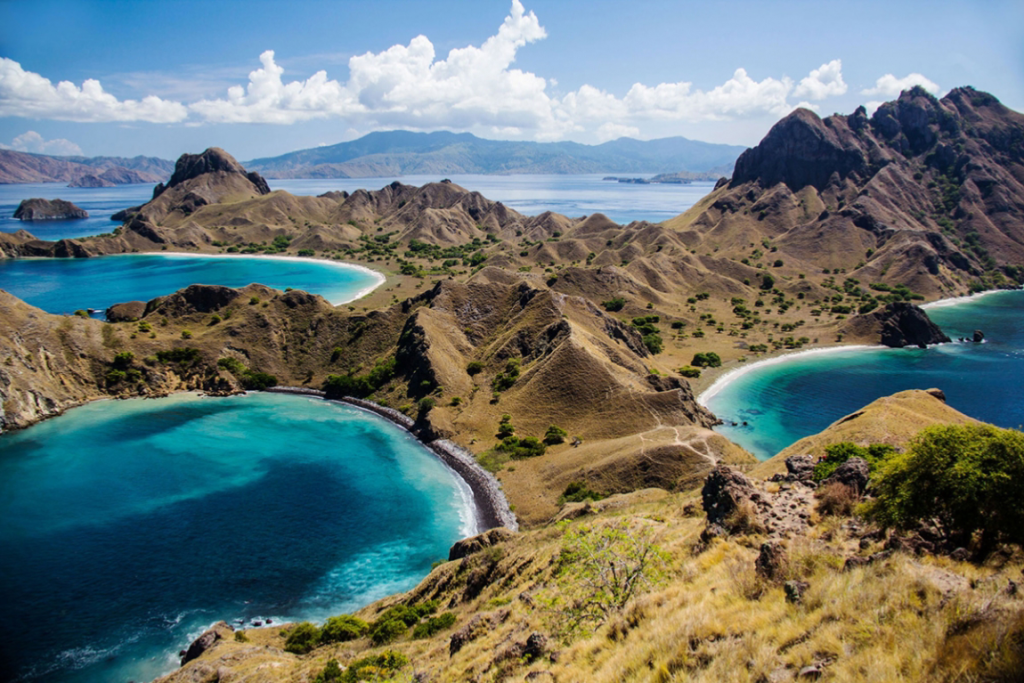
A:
<point x="305" y="252"/>
<point x="971" y="477"/>
<point x="434" y="625"/>
<point x="577" y="492"/>
<point x="555" y="435"/>
<point x="186" y="334"/>
<point x="375" y="667"/>
<point x="616" y="304"/>
<point x="474" y="368"/>
<point x="183" y="355"/>
<point x="527" y="447"/>
<point x="838" y="453"/>
<point x="232" y="365"/>
<point x="767" y="282"/>
<point x="331" y="674"/>
<point x="302" y="638"/>
<point x="382" y="372"/>
<point x="384" y="632"/>
<point x="505" y="427"/>
<point x="115" y="376"/>
<point x="689" y="371"/>
<point x="124" y="360"/>
<point x="709" y="359"/>
<point x="343" y="628"/>
<point x="426" y="404"/>
<point x="506" y="379"/>
<point x="253" y="301"/>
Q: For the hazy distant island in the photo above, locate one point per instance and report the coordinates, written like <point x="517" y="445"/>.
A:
<point x="565" y="354"/>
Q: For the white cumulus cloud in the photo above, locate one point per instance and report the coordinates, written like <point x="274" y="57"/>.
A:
<point x="825" y="81"/>
<point x="31" y="141"/>
<point x="29" y="95"/>
<point x="474" y="88"/>
<point x="890" y="86"/>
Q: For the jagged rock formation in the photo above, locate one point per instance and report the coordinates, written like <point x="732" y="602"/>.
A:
<point x="927" y="193"/>
<point x="897" y="325"/>
<point x="48" y="210"/>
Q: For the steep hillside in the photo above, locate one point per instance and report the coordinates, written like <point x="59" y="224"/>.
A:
<point x="406" y="153"/>
<point x="649" y="586"/>
<point x="925" y="193"/>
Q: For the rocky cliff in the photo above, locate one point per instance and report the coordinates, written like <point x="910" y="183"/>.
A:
<point x="926" y="193"/>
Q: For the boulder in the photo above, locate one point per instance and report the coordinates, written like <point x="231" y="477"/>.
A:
<point x="772" y="561"/>
<point x="903" y="324"/>
<point x="800" y="467"/>
<point x="725" y="490"/>
<point x="978" y="337"/>
<point x="475" y="544"/>
<point x="218" y="631"/>
<point x="37" y="209"/>
<point x="126" y="312"/>
<point x="853" y="473"/>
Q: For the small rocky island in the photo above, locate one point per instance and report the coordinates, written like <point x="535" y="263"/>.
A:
<point x="37" y="209"/>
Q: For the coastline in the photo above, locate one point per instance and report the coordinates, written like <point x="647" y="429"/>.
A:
<point x="489" y="502"/>
<point x="379" y="278"/>
<point x="731" y="374"/>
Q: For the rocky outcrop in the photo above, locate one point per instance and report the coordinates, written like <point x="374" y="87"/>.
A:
<point x="854" y="474"/>
<point x="213" y="160"/>
<point x="126" y="312"/>
<point x="725" y="494"/>
<point x="897" y="325"/>
<point x="475" y="544"/>
<point x="38" y="209"/>
<point x="206" y="641"/>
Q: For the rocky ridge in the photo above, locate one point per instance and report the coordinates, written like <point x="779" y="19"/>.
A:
<point x="48" y="210"/>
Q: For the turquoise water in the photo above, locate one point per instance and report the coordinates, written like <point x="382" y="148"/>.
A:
<point x="785" y="400"/>
<point x="127" y="527"/>
<point x="64" y="285"/>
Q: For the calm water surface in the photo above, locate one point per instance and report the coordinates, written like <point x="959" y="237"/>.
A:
<point x="784" y="401"/>
<point x="127" y="527"/>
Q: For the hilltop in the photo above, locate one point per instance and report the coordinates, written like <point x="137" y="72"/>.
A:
<point x="407" y="153"/>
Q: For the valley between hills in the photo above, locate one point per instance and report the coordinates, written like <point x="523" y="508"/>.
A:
<point x="491" y="324"/>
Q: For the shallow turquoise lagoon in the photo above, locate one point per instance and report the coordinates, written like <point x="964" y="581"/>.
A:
<point x="127" y="527"/>
<point x="786" y="399"/>
<point x="63" y="285"/>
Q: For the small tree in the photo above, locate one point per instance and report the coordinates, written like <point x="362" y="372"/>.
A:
<point x="303" y="638"/>
<point x="971" y="477"/>
<point x="599" y="571"/>
<point x="708" y="359"/>
<point x="343" y="628"/>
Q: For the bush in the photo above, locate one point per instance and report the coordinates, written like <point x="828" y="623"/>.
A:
<point x="505" y="427"/>
<point x="971" y="477"/>
<point x="689" y="371"/>
<point x="331" y="674"/>
<point x="616" y="304"/>
<point x="258" y="381"/>
<point x="838" y="453"/>
<point x="302" y="638"/>
<point x="527" y="447"/>
<point x="343" y="628"/>
<point x="375" y="667"/>
<point x="577" y="492"/>
<point x="426" y="404"/>
<point x="336" y="386"/>
<point x="384" y="632"/>
<point x="555" y="435"/>
<point x="305" y="252"/>
<point x="184" y="355"/>
<point x="115" y="376"/>
<point x="506" y="379"/>
<point x="653" y="342"/>
<point x="474" y="368"/>
<point x="767" y="282"/>
<point x="434" y="625"/>
<point x="709" y="359"/>
<point x="124" y="360"/>
<point x="837" y="499"/>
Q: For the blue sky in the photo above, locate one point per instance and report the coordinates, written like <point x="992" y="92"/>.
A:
<point x="264" y="78"/>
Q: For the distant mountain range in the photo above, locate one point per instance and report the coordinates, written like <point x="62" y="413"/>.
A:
<point x="22" y="167"/>
<point x="406" y="153"/>
<point x="398" y="153"/>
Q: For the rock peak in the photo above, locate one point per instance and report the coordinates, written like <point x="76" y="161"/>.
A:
<point x="212" y="160"/>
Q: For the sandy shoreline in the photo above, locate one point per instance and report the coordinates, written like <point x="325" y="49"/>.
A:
<point x="491" y="506"/>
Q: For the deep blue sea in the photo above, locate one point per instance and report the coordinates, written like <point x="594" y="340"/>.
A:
<point x="127" y="527"/>
<point x="63" y="285"/>
<point x="790" y="397"/>
<point x="572" y="195"/>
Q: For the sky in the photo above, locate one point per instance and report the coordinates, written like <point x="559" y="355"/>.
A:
<point x="260" y="79"/>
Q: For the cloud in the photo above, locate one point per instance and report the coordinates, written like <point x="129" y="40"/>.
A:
<point x="890" y="86"/>
<point x="32" y="141"/>
<point x="825" y="81"/>
<point x="477" y="88"/>
<point x="474" y="88"/>
<point x="27" y="94"/>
